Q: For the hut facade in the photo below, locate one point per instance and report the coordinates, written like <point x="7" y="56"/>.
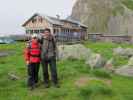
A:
<point x="63" y="29"/>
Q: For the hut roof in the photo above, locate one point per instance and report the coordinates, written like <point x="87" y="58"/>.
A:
<point x="56" y="21"/>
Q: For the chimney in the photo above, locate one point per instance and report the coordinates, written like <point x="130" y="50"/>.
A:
<point x="58" y="16"/>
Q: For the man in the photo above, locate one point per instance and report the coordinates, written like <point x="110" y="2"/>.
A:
<point x="32" y="57"/>
<point x="48" y="56"/>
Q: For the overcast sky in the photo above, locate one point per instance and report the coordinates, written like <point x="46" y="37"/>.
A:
<point x="15" y="12"/>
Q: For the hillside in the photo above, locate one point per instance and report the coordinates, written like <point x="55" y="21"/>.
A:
<point x="77" y="81"/>
<point x="106" y="16"/>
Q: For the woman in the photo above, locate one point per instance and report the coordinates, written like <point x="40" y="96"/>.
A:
<point x="32" y="57"/>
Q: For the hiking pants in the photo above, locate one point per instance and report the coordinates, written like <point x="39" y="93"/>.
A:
<point x="33" y="70"/>
<point x="52" y="63"/>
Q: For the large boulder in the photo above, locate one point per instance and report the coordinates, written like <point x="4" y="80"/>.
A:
<point x="96" y="61"/>
<point x="77" y="51"/>
<point x="126" y="70"/>
<point x="118" y="51"/>
<point x="126" y="52"/>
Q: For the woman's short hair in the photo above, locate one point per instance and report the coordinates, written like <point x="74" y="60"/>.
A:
<point x="47" y="29"/>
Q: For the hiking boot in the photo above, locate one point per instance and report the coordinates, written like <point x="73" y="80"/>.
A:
<point x="56" y="85"/>
<point x="31" y="88"/>
<point x="37" y="84"/>
<point x="46" y="85"/>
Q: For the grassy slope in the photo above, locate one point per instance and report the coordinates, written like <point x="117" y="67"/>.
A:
<point x="69" y="72"/>
<point x="128" y="4"/>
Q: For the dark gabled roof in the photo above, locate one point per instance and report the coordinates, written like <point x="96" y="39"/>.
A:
<point x="52" y="20"/>
<point x="56" y="21"/>
<point x="29" y="19"/>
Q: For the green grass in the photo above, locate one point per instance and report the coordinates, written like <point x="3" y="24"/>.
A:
<point x="106" y="50"/>
<point x="101" y="73"/>
<point x="69" y="72"/>
<point x="119" y="9"/>
<point x="128" y="4"/>
<point x="95" y="88"/>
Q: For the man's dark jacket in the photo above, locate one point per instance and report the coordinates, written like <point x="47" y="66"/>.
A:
<point x="48" y="48"/>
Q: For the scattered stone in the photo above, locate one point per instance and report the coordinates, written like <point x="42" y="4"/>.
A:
<point x="130" y="62"/>
<point x="77" y="51"/>
<point x="109" y="65"/>
<point x="13" y="76"/>
<point x="4" y="53"/>
<point x="96" y="61"/>
<point x="125" y="71"/>
<point x="118" y="51"/>
<point x="127" y="52"/>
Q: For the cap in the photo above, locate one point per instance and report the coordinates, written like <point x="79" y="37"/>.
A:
<point x="34" y="36"/>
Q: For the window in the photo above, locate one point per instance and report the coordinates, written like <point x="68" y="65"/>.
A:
<point x="34" y="20"/>
<point x="31" y="31"/>
<point x="42" y="31"/>
<point x="57" y="31"/>
<point x="27" y="31"/>
<point x="54" y="31"/>
<point x="36" y="31"/>
<point x="64" y="30"/>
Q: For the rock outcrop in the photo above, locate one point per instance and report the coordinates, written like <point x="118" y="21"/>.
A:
<point x="126" y="70"/>
<point x="106" y="16"/>
<point x="79" y="52"/>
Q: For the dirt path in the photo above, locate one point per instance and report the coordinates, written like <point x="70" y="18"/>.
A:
<point x="84" y="80"/>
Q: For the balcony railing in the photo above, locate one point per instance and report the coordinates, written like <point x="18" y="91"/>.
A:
<point x="67" y="37"/>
